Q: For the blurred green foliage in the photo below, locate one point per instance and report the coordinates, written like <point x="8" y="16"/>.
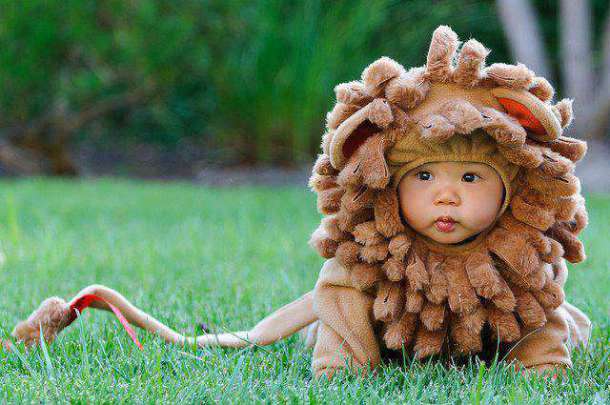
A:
<point x="71" y="53"/>
<point x="275" y="63"/>
<point x="253" y="78"/>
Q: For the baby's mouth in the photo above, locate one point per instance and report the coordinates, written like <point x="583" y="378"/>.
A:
<point x="445" y="224"/>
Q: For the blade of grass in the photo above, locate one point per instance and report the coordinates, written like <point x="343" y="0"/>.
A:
<point x="46" y="357"/>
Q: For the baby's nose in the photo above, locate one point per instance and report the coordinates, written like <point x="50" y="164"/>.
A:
<point x="447" y="197"/>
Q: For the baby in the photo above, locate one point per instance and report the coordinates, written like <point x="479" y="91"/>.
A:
<point x="456" y="301"/>
<point x="450" y="207"/>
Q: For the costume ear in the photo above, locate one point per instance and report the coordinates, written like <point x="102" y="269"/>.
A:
<point x="355" y="130"/>
<point x="533" y="114"/>
<point x="364" y="131"/>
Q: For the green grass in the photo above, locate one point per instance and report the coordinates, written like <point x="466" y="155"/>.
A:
<point x="226" y="257"/>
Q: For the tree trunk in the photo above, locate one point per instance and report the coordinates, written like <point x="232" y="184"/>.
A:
<point x="47" y="138"/>
<point x="17" y="161"/>
<point x="524" y="38"/>
<point x="578" y="78"/>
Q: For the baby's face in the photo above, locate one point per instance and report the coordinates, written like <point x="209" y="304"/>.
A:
<point x="450" y="201"/>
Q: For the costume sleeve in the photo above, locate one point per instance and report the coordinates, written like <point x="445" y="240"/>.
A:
<point x="550" y="345"/>
<point x="546" y="345"/>
<point x="346" y="336"/>
<point x="579" y="324"/>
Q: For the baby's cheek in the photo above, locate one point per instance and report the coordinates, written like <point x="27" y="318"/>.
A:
<point x="482" y="210"/>
<point x="409" y="213"/>
<point x="414" y="211"/>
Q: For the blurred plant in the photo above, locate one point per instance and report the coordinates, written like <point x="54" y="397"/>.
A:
<point x="276" y="62"/>
<point x="279" y="62"/>
<point x="248" y="80"/>
<point x="66" y="64"/>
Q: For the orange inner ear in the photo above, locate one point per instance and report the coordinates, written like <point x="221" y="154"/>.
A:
<point x="357" y="138"/>
<point x="523" y="115"/>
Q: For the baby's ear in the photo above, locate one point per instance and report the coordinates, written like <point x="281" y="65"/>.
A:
<point x="357" y="129"/>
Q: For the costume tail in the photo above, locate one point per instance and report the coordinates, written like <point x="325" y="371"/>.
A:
<point x="54" y="315"/>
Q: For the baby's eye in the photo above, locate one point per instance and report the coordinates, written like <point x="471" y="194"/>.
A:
<point x="470" y="177"/>
<point x="425" y="176"/>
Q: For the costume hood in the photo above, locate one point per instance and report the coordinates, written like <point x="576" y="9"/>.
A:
<point x="433" y="297"/>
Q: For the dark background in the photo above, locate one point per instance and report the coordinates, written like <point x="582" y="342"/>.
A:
<point x="186" y="88"/>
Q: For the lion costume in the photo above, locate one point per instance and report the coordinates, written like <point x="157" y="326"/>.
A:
<point x="386" y="287"/>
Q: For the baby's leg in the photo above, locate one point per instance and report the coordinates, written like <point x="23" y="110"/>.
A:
<point x="345" y="335"/>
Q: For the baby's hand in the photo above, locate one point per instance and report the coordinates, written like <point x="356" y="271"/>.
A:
<point x="552" y="371"/>
<point x="325" y="372"/>
<point x="329" y="372"/>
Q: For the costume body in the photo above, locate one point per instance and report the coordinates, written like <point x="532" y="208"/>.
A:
<point x="385" y="286"/>
<point x="347" y="333"/>
<point x="389" y="287"/>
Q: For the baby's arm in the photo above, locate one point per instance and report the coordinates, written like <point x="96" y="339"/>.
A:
<point x="345" y="336"/>
<point x="544" y="348"/>
<point x="547" y="349"/>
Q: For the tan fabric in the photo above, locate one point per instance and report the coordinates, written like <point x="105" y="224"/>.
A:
<point x="347" y="335"/>
<point x="566" y="328"/>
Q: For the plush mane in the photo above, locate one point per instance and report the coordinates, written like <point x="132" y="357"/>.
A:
<point x="432" y="302"/>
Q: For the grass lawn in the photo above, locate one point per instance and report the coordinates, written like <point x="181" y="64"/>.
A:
<point x="226" y="257"/>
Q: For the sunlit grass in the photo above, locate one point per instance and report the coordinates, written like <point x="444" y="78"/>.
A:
<point x="226" y="257"/>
